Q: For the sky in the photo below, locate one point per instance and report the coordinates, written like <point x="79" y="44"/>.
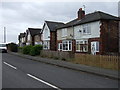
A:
<point x="18" y="16"/>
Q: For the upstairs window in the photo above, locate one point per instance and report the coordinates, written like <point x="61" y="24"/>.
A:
<point x="86" y="29"/>
<point x="28" y="36"/>
<point x="64" y="32"/>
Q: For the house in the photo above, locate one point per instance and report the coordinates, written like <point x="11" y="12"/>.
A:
<point x="50" y="35"/>
<point x="65" y="34"/>
<point x="21" y="38"/>
<point x="33" y="36"/>
<point x="95" y="33"/>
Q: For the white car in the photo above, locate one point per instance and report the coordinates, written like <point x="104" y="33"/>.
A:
<point x="3" y="47"/>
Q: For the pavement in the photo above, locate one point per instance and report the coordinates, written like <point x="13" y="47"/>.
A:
<point x="20" y="72"/>
<point x="114" y="74"/>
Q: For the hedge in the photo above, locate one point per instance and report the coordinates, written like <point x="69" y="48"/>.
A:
<point x="12" y="47"/>
<point x="35" y="50"/>
<point x="31" y="50"/>
<point x="26" y="49"/>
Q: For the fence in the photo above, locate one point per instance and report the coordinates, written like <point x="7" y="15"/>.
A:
<point x="103" y="61"/>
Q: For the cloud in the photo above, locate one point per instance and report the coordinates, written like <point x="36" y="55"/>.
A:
<point x="18" y="16"/>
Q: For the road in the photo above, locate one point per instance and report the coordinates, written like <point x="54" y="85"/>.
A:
<point x="19" y="72"/>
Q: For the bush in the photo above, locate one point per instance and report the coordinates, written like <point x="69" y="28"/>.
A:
<point x="35" y="50"/>
<point x="27" y="49"/>
<point x="20" y="49"/>
<point x="12" y="47"/>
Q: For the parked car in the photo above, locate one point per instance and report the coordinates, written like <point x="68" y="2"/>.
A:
<point x="3" y="48"/>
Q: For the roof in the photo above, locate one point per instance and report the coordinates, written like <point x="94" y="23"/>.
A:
<point x="22" y="35"/>
<point x="95" y="16"/>
<point x="53" y="25"/>
<point x="72" y="22"/>
<point x="34" y="31"/>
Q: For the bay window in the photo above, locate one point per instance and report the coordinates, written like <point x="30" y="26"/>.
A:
<point x="46" y="45"/>
<point x="67" y="45"/>
<point x="82" y="46"/>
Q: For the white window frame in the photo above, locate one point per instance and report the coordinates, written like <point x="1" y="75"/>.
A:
<point x="47" y="45"/>
<point x="68" y="46"/>
<point x="64" y="32"/>
<point x="79" y="42"/>
<point x="95" y="43"/>
<point x="87" y="29"/>
<point x="28" y="36"/>
<point x="59" y="45"/>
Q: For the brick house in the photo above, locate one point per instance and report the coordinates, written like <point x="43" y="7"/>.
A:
<point x="21" y="39"/>
<point x="49" y="35"/>
<point x="33" y="36"/>
<point x="95" y="33"/>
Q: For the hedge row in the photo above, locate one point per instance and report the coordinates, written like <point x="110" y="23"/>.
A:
<point x="31" y="50"/>
<point x="12" y="47"/>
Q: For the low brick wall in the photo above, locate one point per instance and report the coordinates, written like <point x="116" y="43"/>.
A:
<point x="57" y="54"/>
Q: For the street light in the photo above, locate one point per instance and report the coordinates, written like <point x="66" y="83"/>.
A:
<point x="4" y="34"/>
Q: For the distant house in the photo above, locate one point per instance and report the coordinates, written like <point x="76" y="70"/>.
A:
<point x="33" y="36"/>
<point x="49" y="35"/>
<point x="95" y="33"/>
<point x="21" y="38"/>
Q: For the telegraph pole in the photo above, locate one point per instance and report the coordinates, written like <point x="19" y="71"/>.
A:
<point x="4" y="34"/>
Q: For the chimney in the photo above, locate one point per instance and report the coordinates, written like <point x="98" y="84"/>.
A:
<point x="81" y="14"/>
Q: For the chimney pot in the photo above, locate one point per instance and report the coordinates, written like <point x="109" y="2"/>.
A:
<point x="81" y="14"/>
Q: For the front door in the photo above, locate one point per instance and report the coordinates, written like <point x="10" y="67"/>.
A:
<point x="94" y="47"/>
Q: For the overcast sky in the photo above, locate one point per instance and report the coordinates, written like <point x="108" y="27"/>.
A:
<point x="18" y="16"/>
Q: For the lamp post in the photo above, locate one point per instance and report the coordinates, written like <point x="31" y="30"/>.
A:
<point x="4" y="34"/>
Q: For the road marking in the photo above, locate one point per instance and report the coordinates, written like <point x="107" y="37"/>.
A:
<point x="10" y="65"/>
<point x="43" y="81"/>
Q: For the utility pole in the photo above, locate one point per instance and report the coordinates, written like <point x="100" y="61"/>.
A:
<point x="4" y="34"/>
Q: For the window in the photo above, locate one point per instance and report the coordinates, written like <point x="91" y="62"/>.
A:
<point x="46" y="45"/>
<point x="86" y="29"/>
<point x="67" y="45"/>
<point x="64" y="32"/>
<point x="60" y="46"/>
<point x="97" y="46"/>
<point x="82" y="46"/>
<point x="28" y="36"/>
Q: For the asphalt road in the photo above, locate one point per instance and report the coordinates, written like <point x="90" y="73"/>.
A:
<point x="23" y="73"/>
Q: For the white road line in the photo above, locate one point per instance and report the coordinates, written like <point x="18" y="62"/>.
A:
<point x="43" y="81"/>
<point x="10" y="65"/>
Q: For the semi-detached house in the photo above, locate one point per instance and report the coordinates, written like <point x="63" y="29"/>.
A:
<point x="49" y="35"/>
<point x="21" y="39"/>
<point x="95" y="33"/>
<point x="33" y="36"/>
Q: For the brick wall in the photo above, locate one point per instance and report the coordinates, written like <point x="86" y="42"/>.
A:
<point x="109" y="36"/>
<point x="57" y="54"/>
<point x="53" y="39"/>
<point x="89" y="44"/>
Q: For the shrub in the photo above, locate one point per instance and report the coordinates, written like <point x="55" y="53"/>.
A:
<point x="27" y="49"/>
<point x="20" y="49"/>
<point x="12" y="47"/>
<point x="35" y="50"/>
